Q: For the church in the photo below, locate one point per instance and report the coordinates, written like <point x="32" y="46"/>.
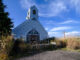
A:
<point x="31" y="30"/>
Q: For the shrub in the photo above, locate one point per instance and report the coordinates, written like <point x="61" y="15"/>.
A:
<point x="47" y="40"/>
<point x="15" y="48"/>
<point x="49" y="47"/>
<point x="61" y="43"/>
<point x="20" y="47"/>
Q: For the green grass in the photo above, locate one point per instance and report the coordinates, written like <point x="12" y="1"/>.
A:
<point x="67" y="49"/>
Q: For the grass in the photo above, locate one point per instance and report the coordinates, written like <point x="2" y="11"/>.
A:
<point x="67" y="44"/>
<point x="67" y="49"/>
<point x="71" y="44"/>
<point x="5" y="47"/>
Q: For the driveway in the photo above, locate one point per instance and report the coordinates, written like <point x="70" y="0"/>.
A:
<point x="54" y="55"/>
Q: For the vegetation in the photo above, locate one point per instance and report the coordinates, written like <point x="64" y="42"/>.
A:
<point x="6" y="40"/>
<point x="47" y="40"/>
<point x="5" y="22"/>
<point x="72" y="43"/>
<point x="6" y="44"/>
<point x="19" y="48"/>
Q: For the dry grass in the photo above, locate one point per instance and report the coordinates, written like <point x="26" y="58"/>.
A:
<point x="73" y="43"/>
<point x="60" y="43"/>
<point x="5" y="47"/>
<point x="4" y="56"/>
<point x="70" y="42"/>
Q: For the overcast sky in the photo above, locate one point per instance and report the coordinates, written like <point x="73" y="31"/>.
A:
<point x="56" y="16"/>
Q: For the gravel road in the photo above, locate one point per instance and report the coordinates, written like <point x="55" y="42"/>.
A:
<point x="54" y="55"/>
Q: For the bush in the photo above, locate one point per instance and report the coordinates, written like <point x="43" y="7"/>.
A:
<point x="20" y="47"/>
<point x="61" y="43"/>
<point x="47" y="40"/>
<point x="49" y="47"/>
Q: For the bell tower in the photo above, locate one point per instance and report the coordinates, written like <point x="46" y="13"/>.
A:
<point x="32" y="13"/>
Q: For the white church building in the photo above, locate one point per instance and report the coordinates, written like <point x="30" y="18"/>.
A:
<point x="31" y="29"/>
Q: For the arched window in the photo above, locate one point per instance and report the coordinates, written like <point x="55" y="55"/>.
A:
<point x="33" y="18"/>
<point x="34" y="11"/>
<point x="32" y="32"/>
<point x="32" y="36"/>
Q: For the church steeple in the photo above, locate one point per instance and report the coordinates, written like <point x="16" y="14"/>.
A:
<point x="32" y="13"/>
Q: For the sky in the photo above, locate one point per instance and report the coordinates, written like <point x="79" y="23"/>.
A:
<point x="56" y="16"/>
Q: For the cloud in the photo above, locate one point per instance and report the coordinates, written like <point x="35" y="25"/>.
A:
<point x="52" y="8"/>
<point x="27" y="3"/>
<point x="69" y="21"/>
<point x="72" y="4"/>
<point x="61" y="28"/>
<point x="55" y="31"/>
<point x="60" y="34"/>
<point x="73" y="33"/>
<point x="46" y="28"/>
<point x="50" y="22"/>
<point x="51" y="34"/>
<point x="75" y="4"/>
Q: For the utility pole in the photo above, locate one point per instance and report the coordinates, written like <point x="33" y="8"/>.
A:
<point x="64" y="34"/>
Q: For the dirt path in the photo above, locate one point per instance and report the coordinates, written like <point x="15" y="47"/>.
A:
<point x="54" y="55"/>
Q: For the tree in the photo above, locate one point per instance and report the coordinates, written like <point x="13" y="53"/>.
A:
<point x="5" y="22"/>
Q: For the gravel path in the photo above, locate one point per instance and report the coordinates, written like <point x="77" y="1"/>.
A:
<point x="54" y="55"/>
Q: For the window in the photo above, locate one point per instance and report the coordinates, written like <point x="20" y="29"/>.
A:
<point x="33" y="32"/>
<point x="34" y="11"/>
<point x="33" y="18"/>
<point x="33" y="36"/>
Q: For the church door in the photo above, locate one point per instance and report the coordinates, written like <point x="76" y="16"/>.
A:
<point x="33" y="36"/>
